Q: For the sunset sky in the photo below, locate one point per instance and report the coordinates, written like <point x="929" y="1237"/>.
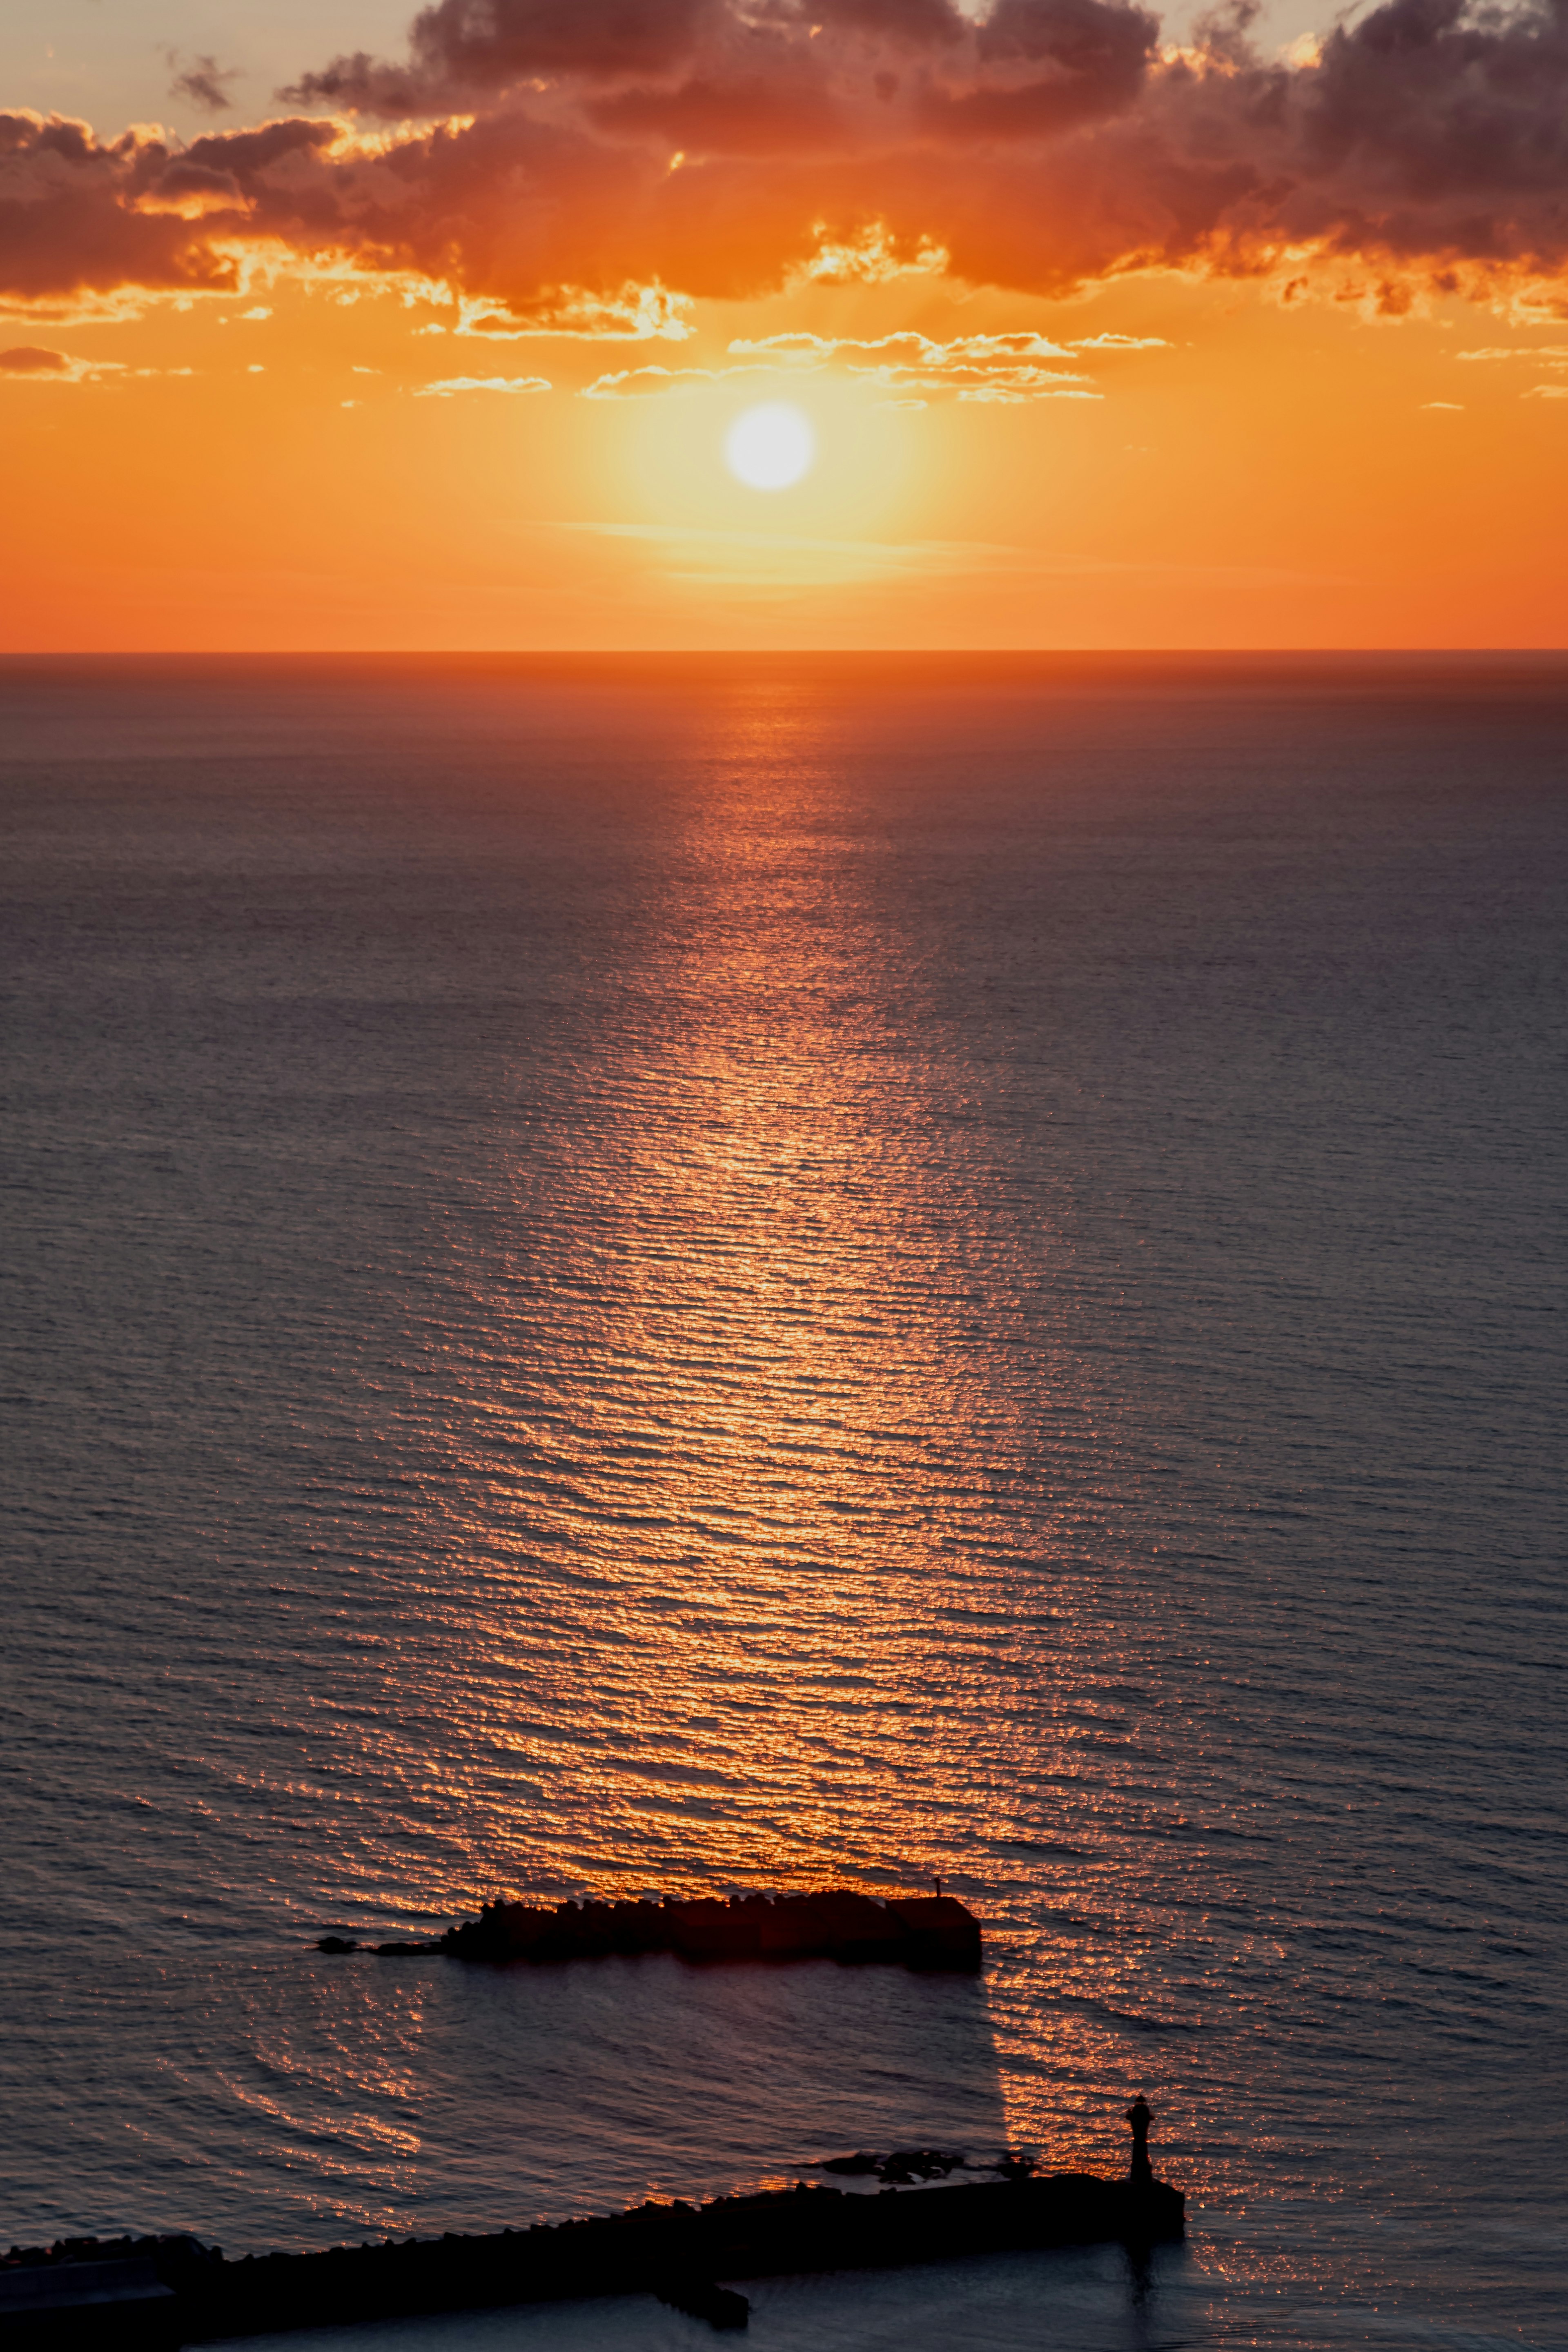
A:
<point x="324" y="329"/>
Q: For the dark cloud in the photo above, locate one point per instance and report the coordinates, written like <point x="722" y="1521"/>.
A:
<point x="1077" y="36"/>
<point x="204" y="83"/>
<point x="71" y="215"/>
<point x="30" y="359"/>
<point x="186" y="178"/>
<point x="247" y="154"/>
<point x="462" y="46"/>
<point x="1052" y="145"/>
<point x="760" y="115"/>
<point x="1438" y="100"/>
<point x="366" y="85"/>
<point x="915" y="24"/>
<point x="1096" y="52"/>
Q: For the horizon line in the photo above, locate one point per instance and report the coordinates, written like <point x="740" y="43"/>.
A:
<point x="10" y="656"/>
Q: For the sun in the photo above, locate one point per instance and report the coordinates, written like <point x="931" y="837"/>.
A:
<point x="771" y="447"/>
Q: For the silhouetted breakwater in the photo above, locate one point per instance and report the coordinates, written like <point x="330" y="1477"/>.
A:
<point x="678" y="2251"/>
<point x="85" y="2294"/>
<point x="932" y="1931"/>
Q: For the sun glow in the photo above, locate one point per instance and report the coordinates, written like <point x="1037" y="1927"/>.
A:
<point x="771" y="447"/>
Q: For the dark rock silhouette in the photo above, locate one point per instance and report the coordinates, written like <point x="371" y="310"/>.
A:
<point x="912" y="1931"/>
<point x="897" y="2170"/>
<point x="676" y="2250"/>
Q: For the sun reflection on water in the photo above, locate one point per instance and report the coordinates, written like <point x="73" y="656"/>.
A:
<point x="745" y="1525"/>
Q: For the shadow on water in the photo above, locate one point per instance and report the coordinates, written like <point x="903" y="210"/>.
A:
<point x="1073" y="2301"/>
<point x="293" y="2100"/>
<point x="552" y="2090"/>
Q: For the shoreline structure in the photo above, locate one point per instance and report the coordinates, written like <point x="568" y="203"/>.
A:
<point x="155" y="2294"/>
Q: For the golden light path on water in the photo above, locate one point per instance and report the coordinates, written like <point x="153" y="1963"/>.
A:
<point x="762" y="1582"/>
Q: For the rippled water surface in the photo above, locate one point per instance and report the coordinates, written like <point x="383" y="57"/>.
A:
<point x="687" y="1274"/>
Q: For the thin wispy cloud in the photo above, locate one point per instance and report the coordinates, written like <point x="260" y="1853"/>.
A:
<point x="1549" y="354"/>
<point x="713" y="554"/>
<point x="649" y="383"/>
<point x="450" y="387"/>
<point x="912" y="367"/>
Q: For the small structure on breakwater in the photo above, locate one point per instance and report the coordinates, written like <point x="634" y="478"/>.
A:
<point x="930" y="1931"/>
<point x="678" y="2251"/>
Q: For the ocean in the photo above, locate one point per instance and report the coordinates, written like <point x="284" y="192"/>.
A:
<point x="684" y="1274"/>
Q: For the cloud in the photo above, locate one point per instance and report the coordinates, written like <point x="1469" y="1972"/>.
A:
<point x="70" y="219"/>
<point x="908" y="344"/>
<point x="1546" y="392"/>
<point x="640" y="383"/>
<point x="979" y="380"/>
<point x="1095" y="55"/>
<point x="204" y="83"/>
<point x="30" y="359"/>
<point x="645" y="383"/>
<point x="915" y="23"/>
<point x="634" y="314"/>
<point x="36" y="364"/>
<point x="450" y="385"/>
<point x="1024" y="385"/>
<point x="970" y="367"/>
<point x="998" y="368"/>
<point x="761" y="115"/>
<point x="1021" y="343"/>
<point x="82" y="219"/>
<point x="462" y="47"/>
<point x="869" y="255"/>
<point x="1422" y="148"/>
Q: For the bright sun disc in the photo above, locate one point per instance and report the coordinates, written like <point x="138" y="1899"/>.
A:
<point x="771" y="447"/>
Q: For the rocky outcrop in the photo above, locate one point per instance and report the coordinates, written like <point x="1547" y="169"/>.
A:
<point x="931" y="1931"/>
<point x="677" y="2251"/>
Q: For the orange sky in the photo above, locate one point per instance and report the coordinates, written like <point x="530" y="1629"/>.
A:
<point x="1104" y="341"/>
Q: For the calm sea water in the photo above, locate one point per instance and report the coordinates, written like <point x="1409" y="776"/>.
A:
<point x="673" y="1274"/>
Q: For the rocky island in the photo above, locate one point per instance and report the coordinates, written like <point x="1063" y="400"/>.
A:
<point x="931" y="1931"/>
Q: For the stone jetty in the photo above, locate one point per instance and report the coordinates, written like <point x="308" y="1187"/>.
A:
<point x="90" y="2295"/>
<point x="679" y="2252"/>
<point x="931" y="1931"/>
